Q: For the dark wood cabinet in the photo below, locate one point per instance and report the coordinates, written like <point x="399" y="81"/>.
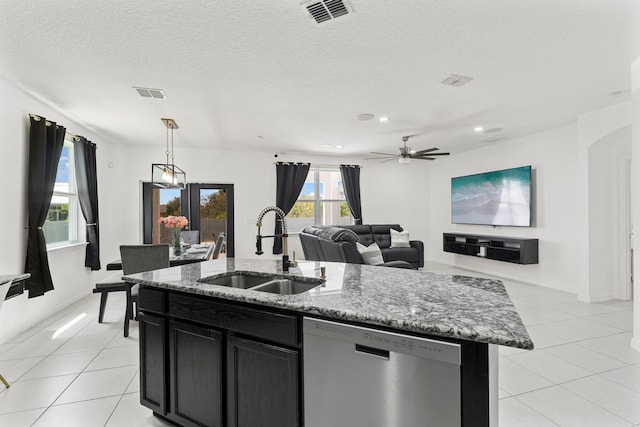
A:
<point x="262" y="382"/>
<point x="195" y="371"/>
<point x="153" y="362"/>
<point x="206" y="362"/>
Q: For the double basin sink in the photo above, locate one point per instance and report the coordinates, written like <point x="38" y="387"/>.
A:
<point x="256" y="282"/>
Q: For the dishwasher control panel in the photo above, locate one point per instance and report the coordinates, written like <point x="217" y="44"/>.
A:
<point x="386" y="341"/>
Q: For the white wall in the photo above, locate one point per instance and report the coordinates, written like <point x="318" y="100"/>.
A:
<point x="635" y="177"/>
<point x="391" y="193"/>
<point x="560" y="199"/>
<point x="71" y="280"/>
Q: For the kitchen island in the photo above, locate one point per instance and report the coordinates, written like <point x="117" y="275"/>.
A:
<point x="223" y="355"/>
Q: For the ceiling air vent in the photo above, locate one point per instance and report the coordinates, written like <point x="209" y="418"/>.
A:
<point x="326" y="10"/>
<point x="146" y="92"/>
<point x="456" y="80"/>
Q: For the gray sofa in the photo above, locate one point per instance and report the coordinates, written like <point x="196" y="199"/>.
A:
<point x="338" y="243"/>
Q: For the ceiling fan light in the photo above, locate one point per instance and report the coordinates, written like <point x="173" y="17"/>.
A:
<point x="404" y="160"/>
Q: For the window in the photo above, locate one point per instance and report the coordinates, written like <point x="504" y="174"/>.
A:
<point x="321" y="201"/>
<point x="61" y="226"/>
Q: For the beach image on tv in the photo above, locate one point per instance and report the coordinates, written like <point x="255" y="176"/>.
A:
<point x="493" y="198"/>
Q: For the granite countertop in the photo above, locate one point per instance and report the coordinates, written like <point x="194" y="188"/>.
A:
<point x="453" y="306"/>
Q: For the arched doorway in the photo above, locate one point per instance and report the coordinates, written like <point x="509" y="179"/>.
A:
<point x="609" y="217"/>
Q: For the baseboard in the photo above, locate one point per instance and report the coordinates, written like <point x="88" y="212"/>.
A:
<point x="593" y="299"/>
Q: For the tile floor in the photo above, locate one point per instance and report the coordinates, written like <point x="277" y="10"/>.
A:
<point x="582" y="372"/>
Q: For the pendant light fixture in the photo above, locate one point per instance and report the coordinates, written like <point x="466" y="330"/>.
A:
<point x="168" y="175"/>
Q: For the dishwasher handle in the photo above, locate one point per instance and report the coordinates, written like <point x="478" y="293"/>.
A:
<point x="371" y="351"/>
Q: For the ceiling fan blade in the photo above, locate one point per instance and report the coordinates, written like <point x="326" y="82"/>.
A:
<point x="424" y="158"/>
<point x="428" y="150"/>
<point x="418" y="155"/>
<point x="384" y="154"/>
<point x="385" y="161"/>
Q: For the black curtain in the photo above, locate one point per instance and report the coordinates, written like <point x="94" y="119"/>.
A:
<point x="87" y="181"/>
<point x="46" y="140"/>
<point x="290" y="178"/>
<point x="351" y="182"/>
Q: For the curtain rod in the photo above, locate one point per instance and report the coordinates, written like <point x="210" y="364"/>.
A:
<point x="48" y="123"/>
<point x="317" y="165"/>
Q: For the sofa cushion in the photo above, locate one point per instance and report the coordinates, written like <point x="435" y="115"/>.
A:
<point x="382" y="235"/>
<point x="362" y="231"/>
<point x="371" y="254"/>
<point x="399" y="239"/>
<point x="400" y="254"/>
<point x="345" y="235"/>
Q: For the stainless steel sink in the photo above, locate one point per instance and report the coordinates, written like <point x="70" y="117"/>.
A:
<point x="239" y="280"/>
<point x="256" y="282"/>
<point x="287" y="286"/>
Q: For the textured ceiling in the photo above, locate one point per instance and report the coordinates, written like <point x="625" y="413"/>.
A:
<point x="236" y="70"/>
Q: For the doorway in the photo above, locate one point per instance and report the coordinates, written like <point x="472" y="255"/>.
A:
<point x="208" y="207"/>
<point x="609" y="218"/>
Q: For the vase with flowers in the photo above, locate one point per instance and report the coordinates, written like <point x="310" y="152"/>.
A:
<point x="175" y="224"/>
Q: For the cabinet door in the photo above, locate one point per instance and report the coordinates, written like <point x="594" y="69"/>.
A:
<point x="195" y="375"/>
<point x="262" y="381"/>
<point x="152" y="362"/>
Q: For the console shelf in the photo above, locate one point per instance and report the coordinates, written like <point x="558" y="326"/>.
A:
<point x="508" y="249"/>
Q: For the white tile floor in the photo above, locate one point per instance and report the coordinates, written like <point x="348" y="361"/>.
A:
<point x="582" y="372"/>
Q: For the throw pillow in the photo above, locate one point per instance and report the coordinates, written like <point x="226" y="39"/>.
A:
<point x="371" y="255"/>
<point x="399" y="239"/>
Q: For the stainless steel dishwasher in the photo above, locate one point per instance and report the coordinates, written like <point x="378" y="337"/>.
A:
<point x="361" y="377"/>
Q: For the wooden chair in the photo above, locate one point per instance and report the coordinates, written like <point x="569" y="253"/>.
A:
<point x="137" y="259"/>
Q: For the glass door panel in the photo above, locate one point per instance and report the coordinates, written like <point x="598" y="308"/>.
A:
<point x="208" y="207"/>
<point x="212" y="214"/>
<point x="159" y="203"/>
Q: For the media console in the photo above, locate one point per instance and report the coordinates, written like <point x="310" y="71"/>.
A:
<point x="509" y="249"/>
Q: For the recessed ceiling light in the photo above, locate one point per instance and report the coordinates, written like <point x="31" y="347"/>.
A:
<point x="478" y="129"/>
<point x="364" y="117"/>
<point x="383" y="119"/>
<point x="339" y="146"/>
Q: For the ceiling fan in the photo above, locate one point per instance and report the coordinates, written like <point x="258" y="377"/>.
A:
<point x="406" y="154"/>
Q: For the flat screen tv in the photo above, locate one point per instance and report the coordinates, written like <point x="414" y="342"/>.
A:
<point x="500" y="197"/>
